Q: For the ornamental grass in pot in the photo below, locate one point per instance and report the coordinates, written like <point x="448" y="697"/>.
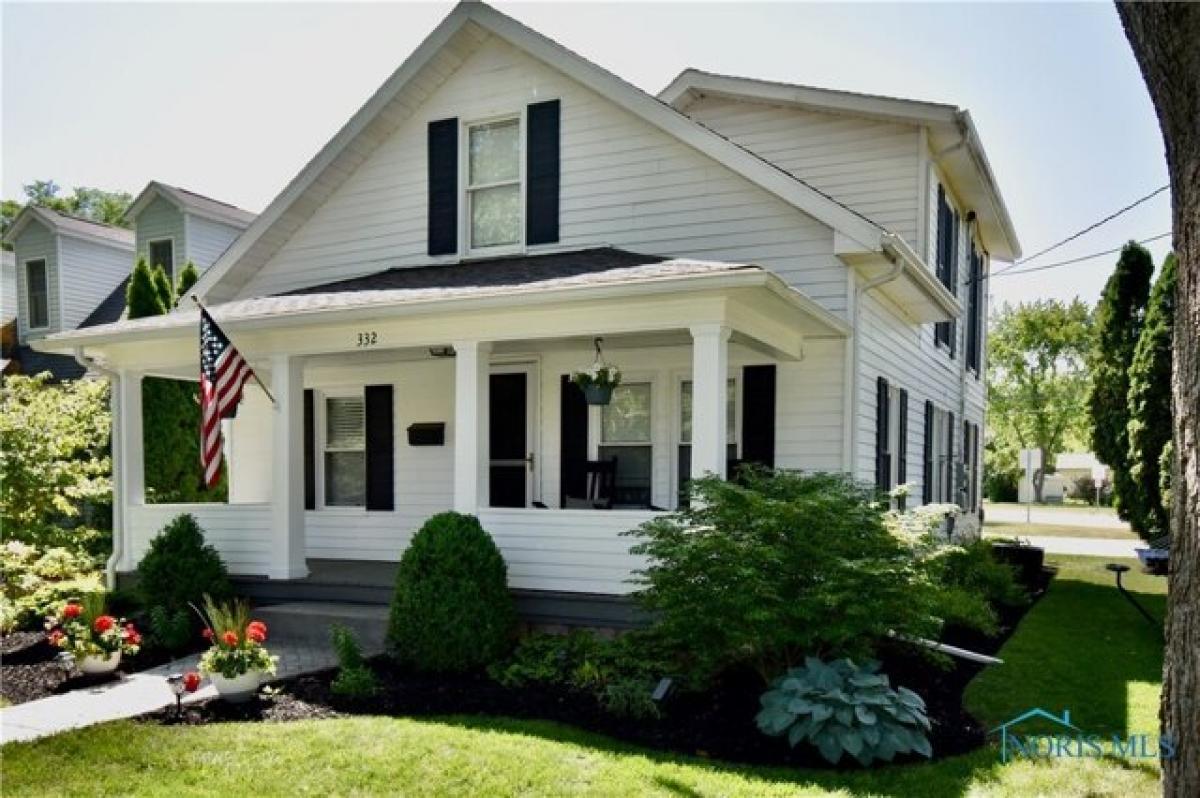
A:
<point x="236" y="659"/>
<point x="96" y="640"/>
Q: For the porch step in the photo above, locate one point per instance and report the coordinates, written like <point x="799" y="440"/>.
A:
<point x="311" y="621"/>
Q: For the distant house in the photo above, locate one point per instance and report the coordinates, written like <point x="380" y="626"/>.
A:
<point x="70" y="273"/>
<point x="8" y="309"/>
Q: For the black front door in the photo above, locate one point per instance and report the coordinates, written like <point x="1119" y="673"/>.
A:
<point x="508" y="436"/>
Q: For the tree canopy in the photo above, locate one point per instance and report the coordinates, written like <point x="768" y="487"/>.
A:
<point x="1037" y="381"/>
<point x="96" y="204"/>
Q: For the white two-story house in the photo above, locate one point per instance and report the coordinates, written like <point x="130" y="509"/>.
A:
<point x="787" y="276"/>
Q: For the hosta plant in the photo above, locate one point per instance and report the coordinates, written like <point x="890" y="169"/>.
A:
<point x="842" y="708"/>
<point x="236" y="641"/>
<point x="85" y="629"/>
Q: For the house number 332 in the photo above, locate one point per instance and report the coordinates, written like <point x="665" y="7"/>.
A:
<point x="368" y="338"/>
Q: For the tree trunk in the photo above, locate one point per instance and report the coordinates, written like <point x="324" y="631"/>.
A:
<point x="1166" y="41"/>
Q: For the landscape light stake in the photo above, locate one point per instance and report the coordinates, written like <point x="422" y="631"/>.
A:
<point x="1119" y="569"/>
<point x="175" y="681"/>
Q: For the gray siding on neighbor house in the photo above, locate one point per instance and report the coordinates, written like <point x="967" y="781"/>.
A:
<point x="207" y="239"/>
<point x="8" y="286"/>
<point x="90" y="271"/>
<point x="160" y="219"/>
<point x="37" y="241"/>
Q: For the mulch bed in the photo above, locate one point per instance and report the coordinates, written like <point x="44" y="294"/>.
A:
<point x="718" y="723"/>
<point x="29" y="668"/>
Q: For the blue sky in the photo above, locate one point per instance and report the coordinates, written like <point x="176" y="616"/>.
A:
<point x="232" y="99"/>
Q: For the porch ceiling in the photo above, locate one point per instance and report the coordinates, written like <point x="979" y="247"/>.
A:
<point x="654" y="299"/>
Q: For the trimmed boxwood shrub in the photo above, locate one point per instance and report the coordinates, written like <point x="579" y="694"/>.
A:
<point x="452" y="611"/>
<point x="180" y="568"/>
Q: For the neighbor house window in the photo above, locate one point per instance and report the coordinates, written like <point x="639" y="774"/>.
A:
<point x="162" y="253"/>
<point x="494" y="184"/>
<point x="38" y="294"/>
<point x="685" y="433"/>
<point x="625" y="435"/>
<point x="345" y="451"/>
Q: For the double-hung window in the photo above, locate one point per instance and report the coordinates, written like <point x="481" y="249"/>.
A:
<point x="625" y="433"/>
<point x="685" y="433"/>
<point x="494" y="184"/>
<point x="37" y="292"/>
<point x="345" y="459"/>
<point x="162" y="253"/>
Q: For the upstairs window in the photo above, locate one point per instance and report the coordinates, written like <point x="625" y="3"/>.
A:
<point x="162" y="253"/>
<point x="494" y="184"/>
<point x="974" y="311"/>
<point x="945" y="332"/>
<point x="345" y="451"/>
<point x="38" y="293"/>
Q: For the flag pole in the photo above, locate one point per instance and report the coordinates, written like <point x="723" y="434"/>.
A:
<point x="253" y="373"/>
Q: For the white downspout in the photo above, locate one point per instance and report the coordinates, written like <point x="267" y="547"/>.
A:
<point x="118" y="513"/>
<point x="855" y="347"/>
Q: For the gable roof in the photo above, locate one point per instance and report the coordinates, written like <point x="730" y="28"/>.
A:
<point x="951" y="130"/>
<point x="190" y="202"/>
<point x="65" y="224"/>
<point x="438" y="56"/>
<point x="110" y="309"/>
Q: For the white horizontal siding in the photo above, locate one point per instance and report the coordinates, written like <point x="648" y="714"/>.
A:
<point x="624" y="183"/>
<point x="871" y="166"/>
<point x="90" y="272"/>
<point x="240" y="532"/>
<point x="206" y="240"/>
<point x="578" y="551"/>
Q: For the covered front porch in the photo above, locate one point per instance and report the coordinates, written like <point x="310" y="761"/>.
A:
<point x="393" y="405"/>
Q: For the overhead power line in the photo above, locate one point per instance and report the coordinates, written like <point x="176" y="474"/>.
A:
<point x="1081" y="259"/>
<point x="1085" y="230"/>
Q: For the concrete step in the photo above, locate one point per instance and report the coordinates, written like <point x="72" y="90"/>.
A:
<point x="311" y="621"/>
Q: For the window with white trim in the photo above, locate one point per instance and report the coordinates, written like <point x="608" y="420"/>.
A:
<point x="684" y="460"/>
<point x="893" y="431"/>
<point x="345" y="451"/>
<point x="943" y="468"/>
<point x="494" y="208"/>
<point x="37" y="293"/>
<point x="625" y="433"/>
<point x="161" y="252"/>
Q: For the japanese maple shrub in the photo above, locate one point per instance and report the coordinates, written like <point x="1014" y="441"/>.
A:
<point x="778" y="567"/>
<point x="452" y="611"/>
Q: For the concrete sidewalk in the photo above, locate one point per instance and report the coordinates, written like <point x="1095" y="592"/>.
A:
<point x="1060" y="516"/>
<point x="139" y="693"/>
<point x="1093" y="547"/>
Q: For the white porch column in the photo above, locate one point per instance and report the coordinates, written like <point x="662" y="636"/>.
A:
<point x="471" y="383"/>
<point x="710" y="373"/>
<point x="287" y="469"/>
<point x="129" y="469"/>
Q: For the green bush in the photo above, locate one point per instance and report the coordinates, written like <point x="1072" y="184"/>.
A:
<point x="171" y="629"/>
<point x="630" y="698"/>
<point x="842" y="708"/>
<point x="179" y="569"/>
<point x="974" y="569"/>
<point x="355" y="679"/>
<point x="784" y="566"/>
<point x="452" y="611"/>
<point x="37" y="581"/>
<point x="581" y="660"/>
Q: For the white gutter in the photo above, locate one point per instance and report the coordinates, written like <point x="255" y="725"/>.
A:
<point x="118" y="514"/>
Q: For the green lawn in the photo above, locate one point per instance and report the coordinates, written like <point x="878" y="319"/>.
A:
<point x="1082" y="647"/>
<point x="1007" y="530"/>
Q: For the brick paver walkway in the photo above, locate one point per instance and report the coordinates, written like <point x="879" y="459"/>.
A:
<point x="139" y="693"/>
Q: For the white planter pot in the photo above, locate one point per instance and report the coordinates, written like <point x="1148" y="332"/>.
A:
<point x="94" y="664"/>
<point x="239" y="688"/>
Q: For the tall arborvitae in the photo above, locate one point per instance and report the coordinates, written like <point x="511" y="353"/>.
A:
<point x="1118" y="323"/>
<point x="141" y="297"/>
<point x="1151" y="419"/>
<point x="162" y="284"/>
<point x="187" y="279"/>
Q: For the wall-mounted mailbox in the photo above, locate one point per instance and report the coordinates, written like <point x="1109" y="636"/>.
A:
<point x="427" y="434"/>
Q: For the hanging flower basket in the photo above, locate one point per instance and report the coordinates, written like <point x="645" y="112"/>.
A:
<point x="597" y="382"/>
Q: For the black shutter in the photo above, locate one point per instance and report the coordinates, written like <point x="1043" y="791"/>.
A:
<point x="310" y="463"/>
<point x="542" y="171"/>
<point x="948" y="491"/>
<point x="952" y="327"/>
<point x="443" y="187"/>
<point x="381" y="448"/>
<point x="573" y="424"/>
<point x="902" y="443"/>
<point x="974" y="301"/>
<point x="882" y="464"/>
<point x="927" y="456"/>
<point x="758" y="415"/>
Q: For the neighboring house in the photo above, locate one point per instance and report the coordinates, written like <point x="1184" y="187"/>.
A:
<point x="65" y="267"/>
<point x="8" y="310"/>
<point x="788" y="276"/>
<point x="1071" y="471"/>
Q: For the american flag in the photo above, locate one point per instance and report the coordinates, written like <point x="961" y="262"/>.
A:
<point x="223" y="372"/>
